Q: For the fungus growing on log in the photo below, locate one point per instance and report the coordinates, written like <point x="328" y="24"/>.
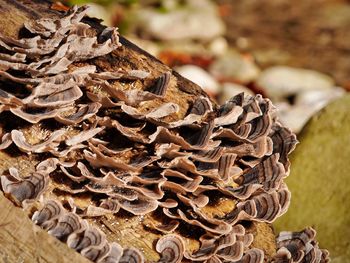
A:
<point x="116" y="145"/>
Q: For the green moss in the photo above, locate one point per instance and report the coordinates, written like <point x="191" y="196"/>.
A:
<point x="320" y="180"/>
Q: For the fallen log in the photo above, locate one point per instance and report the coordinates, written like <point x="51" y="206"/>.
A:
<point x="101" y="144"/>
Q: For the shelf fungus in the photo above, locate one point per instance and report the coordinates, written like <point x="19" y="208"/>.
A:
<point x="122" y="167"/>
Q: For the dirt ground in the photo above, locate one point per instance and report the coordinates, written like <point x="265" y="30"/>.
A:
<point x="312" y="34"/>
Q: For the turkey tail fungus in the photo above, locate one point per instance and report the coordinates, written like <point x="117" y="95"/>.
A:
<point x="125" y="162"/>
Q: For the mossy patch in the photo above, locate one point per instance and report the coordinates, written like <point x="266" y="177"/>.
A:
<point x="320" y="180"/>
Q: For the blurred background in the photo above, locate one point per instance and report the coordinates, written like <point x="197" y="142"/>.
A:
<point x="256" y="46"/>
<point x="295" y="52"/>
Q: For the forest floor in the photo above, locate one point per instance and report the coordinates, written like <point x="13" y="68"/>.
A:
<point x="311" y="34"/>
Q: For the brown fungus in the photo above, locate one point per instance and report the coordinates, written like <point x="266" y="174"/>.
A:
<point x="51" y="211"/>
<point x="29" y="188"/>
<point x="131" y="255"/>
<point x="171" y="249"/>
<point x="116" y="149"/>
<point x="299" y="247"/>
<point x="113" y="255"/>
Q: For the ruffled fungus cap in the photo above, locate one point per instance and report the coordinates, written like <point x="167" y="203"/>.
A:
<point x="120" y="144"/>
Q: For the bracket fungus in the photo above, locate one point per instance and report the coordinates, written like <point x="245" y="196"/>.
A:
<point x="117" y="145"/>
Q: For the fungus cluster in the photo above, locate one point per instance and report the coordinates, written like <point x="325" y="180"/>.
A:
<point x="106" y="143"/>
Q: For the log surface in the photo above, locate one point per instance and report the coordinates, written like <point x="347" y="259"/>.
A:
<point x="20" y="239"/>
<point x="23" y="242"/>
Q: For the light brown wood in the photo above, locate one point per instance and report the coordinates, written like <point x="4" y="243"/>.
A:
<point x="23" y="242"/>
<point x="20" y="239"/>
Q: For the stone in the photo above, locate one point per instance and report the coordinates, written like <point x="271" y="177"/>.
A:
<point x="235" y="66"/>
<point x="100" y="12"/>
<point x="200" y="77"/>
<point x="178" y="23"/>
<point x="271" y="56"/>
<point x="319" y="98"/>
<point x="218" y="46"/>
<point x="228" y="90"/>
<point x="306" y="104"/>
<point x="320" y="181"/>
<point x="295" y="117"/>
<point x="281" y="81"/>
<point x="151" y="47"/>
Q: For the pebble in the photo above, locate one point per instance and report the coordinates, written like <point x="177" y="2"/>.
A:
<point x="235" y="66"/>
<point x="319" y="98"/>
<point x="307" y="104"/>
<point x="200" y="77"/>
<point x="228" y="90"/>
<point x="295" y="117"/>
<point x="271" y="56"/>
<point x="218" y="46"/>
<point x="197" y="20"/>
<point x="150" y="46"/>
<point x="100" y="12"/>
<point x="280" y="82"/>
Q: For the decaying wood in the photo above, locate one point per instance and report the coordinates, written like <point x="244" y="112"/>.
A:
<point x="22" y="241"/>
<point x="19" y="238"/>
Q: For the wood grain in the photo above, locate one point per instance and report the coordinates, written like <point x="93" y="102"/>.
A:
<point x="20" y="239"/>
<point x="23" y="242"/>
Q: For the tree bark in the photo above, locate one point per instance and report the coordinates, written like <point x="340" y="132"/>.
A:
<point x="20" y="239"/>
